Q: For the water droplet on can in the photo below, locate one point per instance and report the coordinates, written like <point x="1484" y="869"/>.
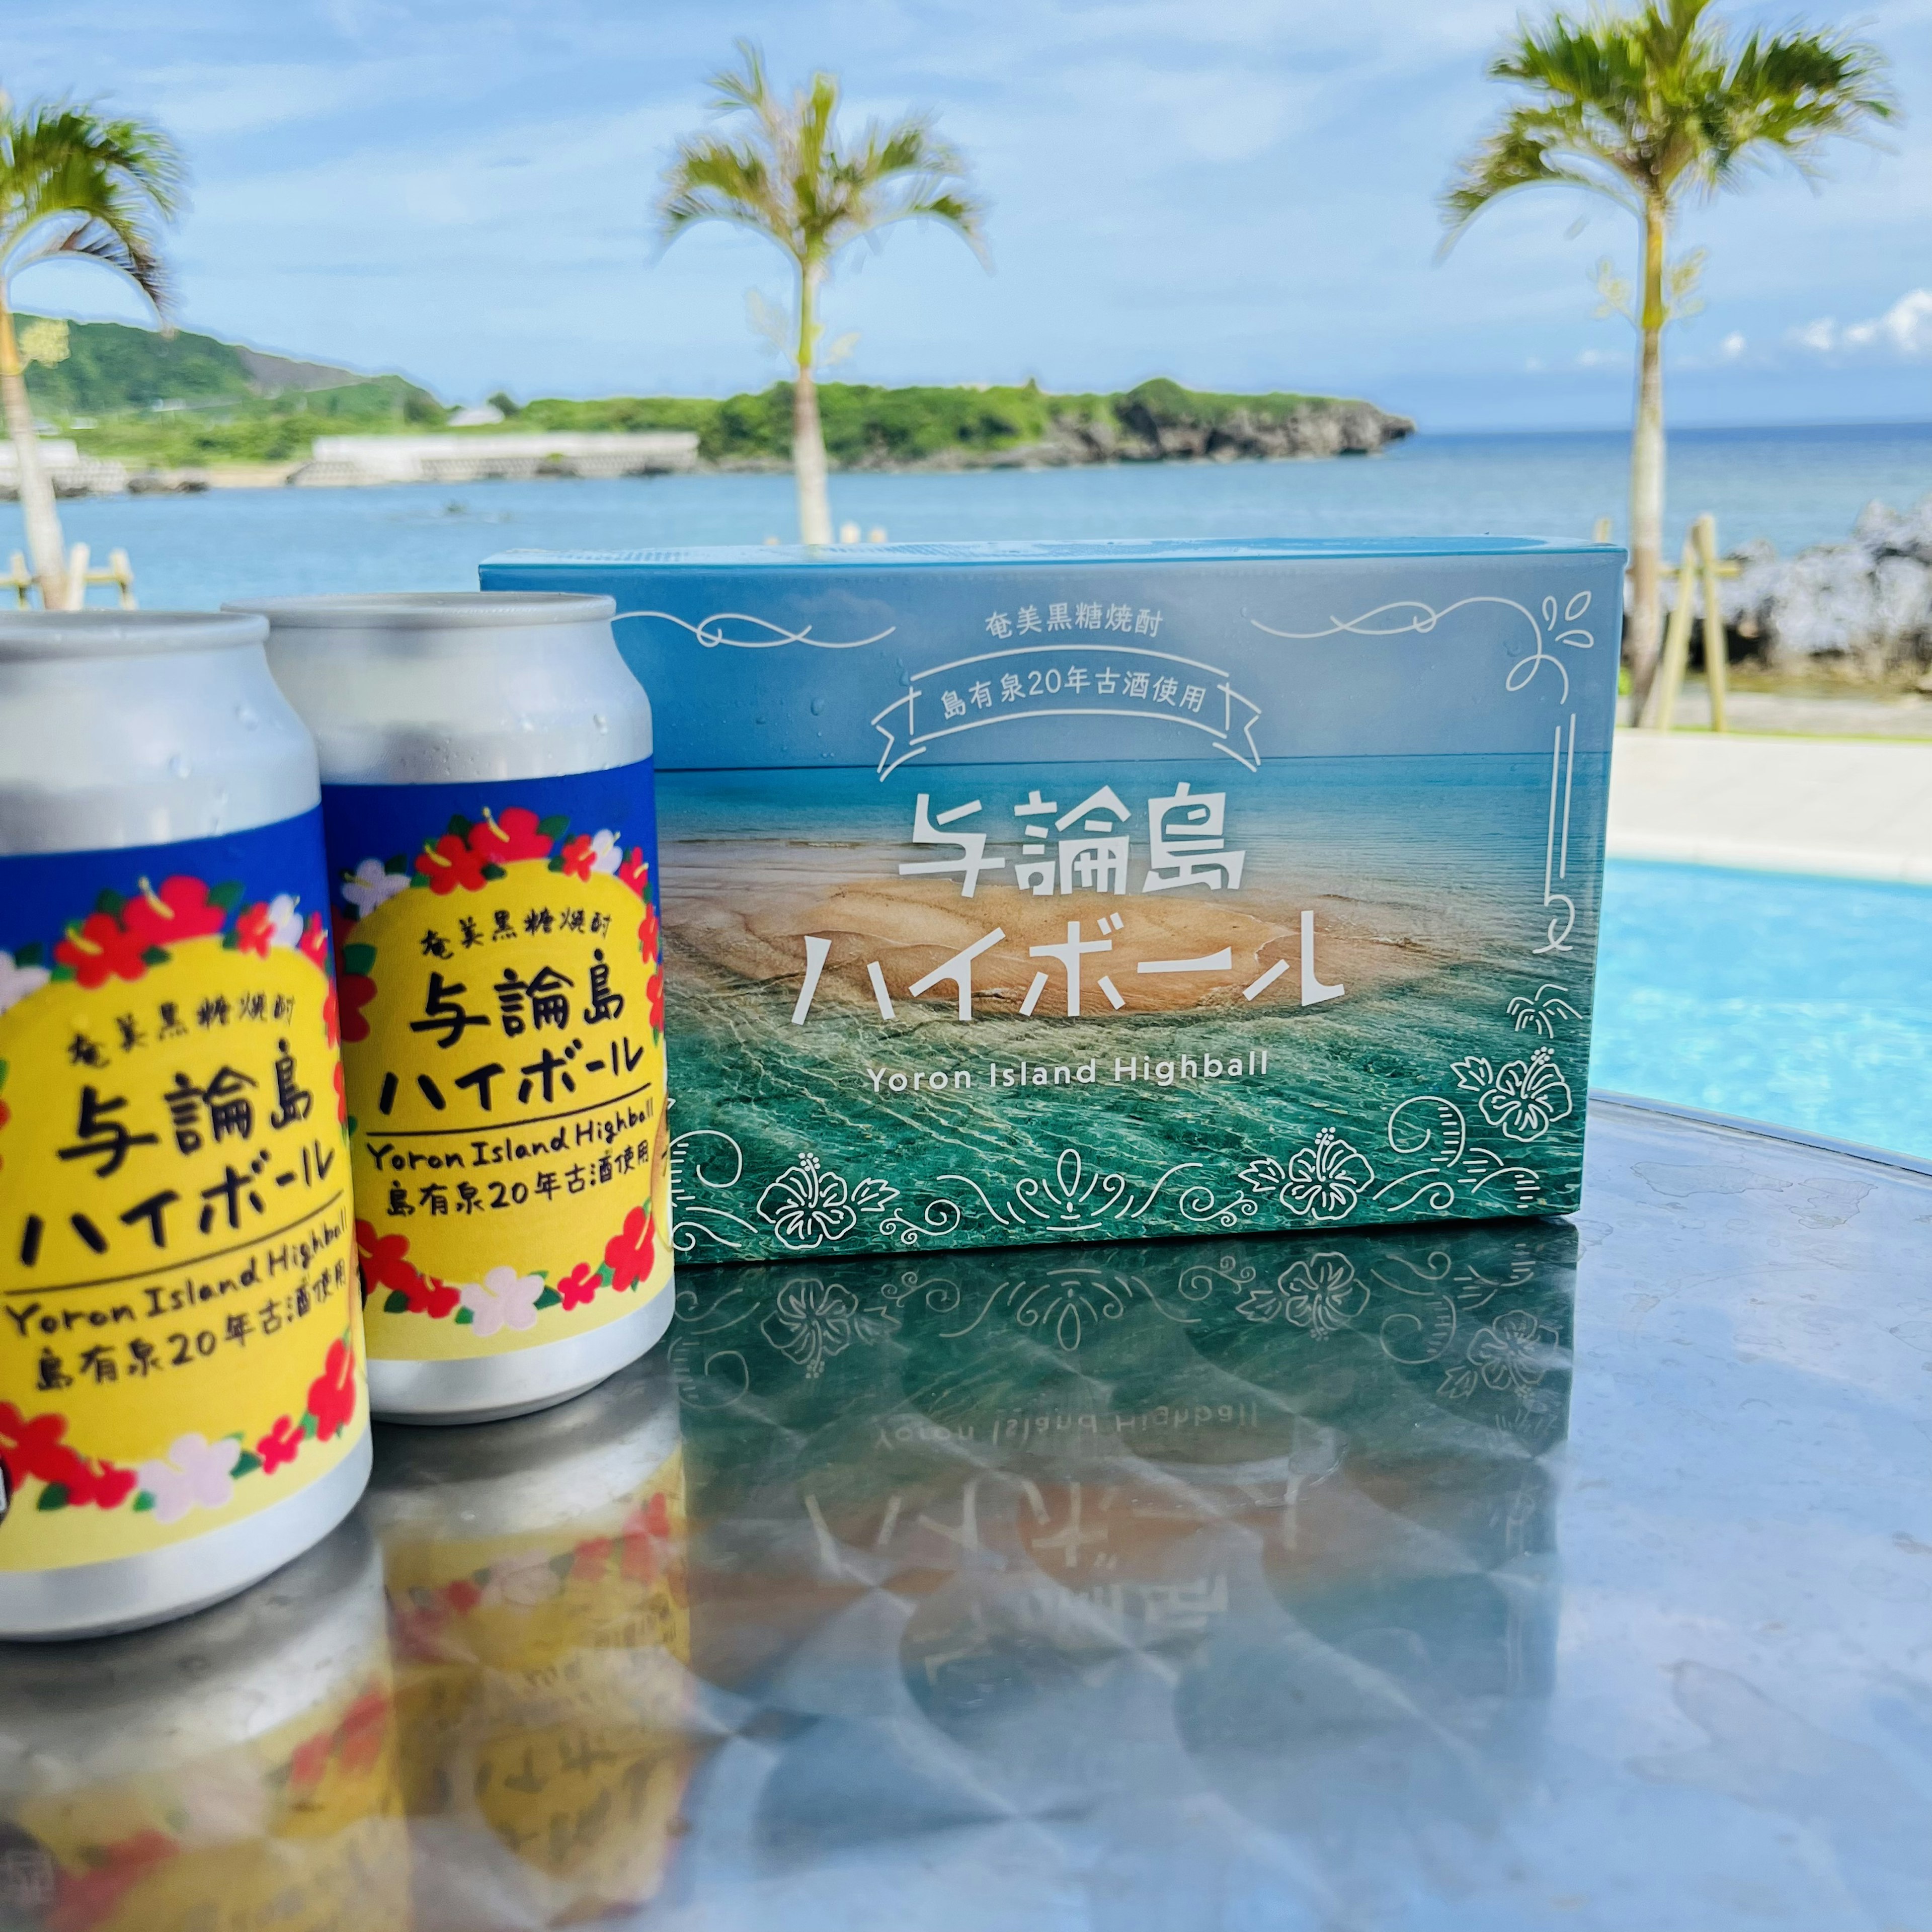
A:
<point x="818" y="707"/>
<point x="178" y="766"/>
<point x="602" y="723"/>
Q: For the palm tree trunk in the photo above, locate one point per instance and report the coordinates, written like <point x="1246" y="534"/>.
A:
<point x="45" y="544"/>
<point x="1646" y="505"/>
<point x="807" y="437"/>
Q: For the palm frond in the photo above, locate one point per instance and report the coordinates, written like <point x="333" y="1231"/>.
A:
<point x="74" y="183"/>
<point x="1648" y="105"/>
<point x="791" y="177"/>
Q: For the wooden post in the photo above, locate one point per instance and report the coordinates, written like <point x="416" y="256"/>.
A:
<point x="77" y="578"/>
<point x="1601" y="534"/>
<point x="1661" y="711"/>
<point x="1717" y="667"/>
<point x="121" y="574"/>
<point x="20" y="577"/>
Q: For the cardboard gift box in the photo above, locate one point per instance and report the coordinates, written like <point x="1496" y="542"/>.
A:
<point x="1035" y="892"/>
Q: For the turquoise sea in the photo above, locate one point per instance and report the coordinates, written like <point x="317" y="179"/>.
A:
<point x="1793" y="486"/>
<point x="1427" y="874"/>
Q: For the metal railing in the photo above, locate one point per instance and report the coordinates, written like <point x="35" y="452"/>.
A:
<point x="119" y="572"/>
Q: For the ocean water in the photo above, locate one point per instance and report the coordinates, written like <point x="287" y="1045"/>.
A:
<point x="1427" y="877"/>
<point x="1799" y="1000"/>
<point x="1793" y="486"/>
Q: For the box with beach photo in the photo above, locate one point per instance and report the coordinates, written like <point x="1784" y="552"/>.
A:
<point x="1037" y="892"/>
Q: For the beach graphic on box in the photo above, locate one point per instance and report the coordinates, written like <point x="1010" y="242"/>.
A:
<point x="1153" y="910"/>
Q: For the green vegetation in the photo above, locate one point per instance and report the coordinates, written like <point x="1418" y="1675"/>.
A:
<point x="186" y="400"/>
<point x="1655" y="109"/>
<point x="189" y="401"/>
<point x="866" y="425"/>
<point x="75" y="186"/>
<point x="789" y="177"/>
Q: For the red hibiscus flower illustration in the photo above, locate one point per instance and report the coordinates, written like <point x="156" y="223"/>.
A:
<point x="254" y="930"/>
<point x="310" y="1758"/>
<point x="654" y="999"/>
<point x="313" y="944"/>
<point x="34" y="1448"/>
<point x="649" y="934"/>
<point x="341" y="1097"/>
<point x="331" y="1396"/>
<point x="514" y="836"/>
<point x="331" y="1018"/>
<point x="580" y="856"/>
<point x="449" y="863"/>
<point x="385" y="1264"/>
<point x="280" y="1446"/>
<point x="579" y="1286"/>
<point x="83" y="1899"/>
<point x="629" y="1255"/>
<point x="98" y="949"/>
<point x="181" y="910"/>
<point x="462" y="1596"/>
<point x="643" y="1530"/>
<point x="634" y="873"/>
<point x="363" y="1726"/>
<point x="590" y="1556"/>
<point x="355" y="990"/>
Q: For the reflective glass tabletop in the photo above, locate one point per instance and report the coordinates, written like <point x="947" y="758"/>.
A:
<point x="1568" y="1574"/>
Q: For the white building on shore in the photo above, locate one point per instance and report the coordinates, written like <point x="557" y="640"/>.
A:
<point x="71" y="473"/>
<point x="514" y="456"/>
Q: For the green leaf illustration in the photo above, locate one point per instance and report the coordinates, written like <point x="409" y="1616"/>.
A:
<point x="464" y="1318"/>
<point x="53" y="1497"/>
<point x="226" y="894"/>
<point x="143" y="1502"/>
<point x="494" y="872"/>
<point x="359" y="958"/>
<point x="32" y="954"/>
<point x="109" y="901"/>
<point x="549" y="1298"/>
<point x="155" y="956"/>
<point x="555" y="827"/>
<point x="459" y="825"/>
<point x="248" y="1463"/>
<point x="397" y="862"/>
<point x="395" y="1302"/>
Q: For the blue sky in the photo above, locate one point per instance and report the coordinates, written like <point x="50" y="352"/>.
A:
<point x="1238" y="193"/>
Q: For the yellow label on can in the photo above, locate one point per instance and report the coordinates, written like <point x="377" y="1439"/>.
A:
<point x="180" y="1340"/>
<point x="503" y="1013"/>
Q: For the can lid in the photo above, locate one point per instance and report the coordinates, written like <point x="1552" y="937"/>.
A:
<point x="429" y="609"/>
<point x="32" y="637"/>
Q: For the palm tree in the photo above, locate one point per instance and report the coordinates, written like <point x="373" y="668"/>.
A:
<point x="74" y="185"/>
<point x="1653" y="109"/>
<point x="791" y="180"/>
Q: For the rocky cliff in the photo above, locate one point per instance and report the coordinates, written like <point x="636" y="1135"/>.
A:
<point x="1865" y="606"/>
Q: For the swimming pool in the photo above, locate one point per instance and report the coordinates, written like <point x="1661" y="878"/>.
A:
<point x="1803" y="1001"/>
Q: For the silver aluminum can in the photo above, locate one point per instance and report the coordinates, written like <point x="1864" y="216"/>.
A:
<point x="487" y="798"/>
<point x="182" y="1406"/>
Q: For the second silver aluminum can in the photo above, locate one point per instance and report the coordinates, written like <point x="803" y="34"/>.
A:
<point x="486" y="796"/>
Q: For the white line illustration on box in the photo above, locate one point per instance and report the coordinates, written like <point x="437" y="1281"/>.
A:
<point x="1424" y="618"/>
<point x="709" y="632"/>
<point x="1540" y="1011"/>
<point x="1068" y="680"/>
<point x="1556" y="854"/>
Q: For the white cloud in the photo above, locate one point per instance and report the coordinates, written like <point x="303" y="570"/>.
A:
<point x="1604" y="358"/>
<point x="1732" y="348"/>
<point x="1904" y="331"/>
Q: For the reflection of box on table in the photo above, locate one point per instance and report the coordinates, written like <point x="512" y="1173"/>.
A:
<point x="1121" y="1522"/>
<point x="1041" y="893"/>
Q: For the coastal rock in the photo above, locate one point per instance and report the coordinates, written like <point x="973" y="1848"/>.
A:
<point x="1867" y="602"/>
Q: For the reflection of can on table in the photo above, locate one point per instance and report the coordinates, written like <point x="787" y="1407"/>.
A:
<point x="236" y="1769"/>
<point x="536" y="1571"/>
<point x="487" y="796"/>
<point x="181" y="1407"/>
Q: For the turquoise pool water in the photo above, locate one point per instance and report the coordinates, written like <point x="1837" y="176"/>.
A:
<point x="1805" y="1001"/>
